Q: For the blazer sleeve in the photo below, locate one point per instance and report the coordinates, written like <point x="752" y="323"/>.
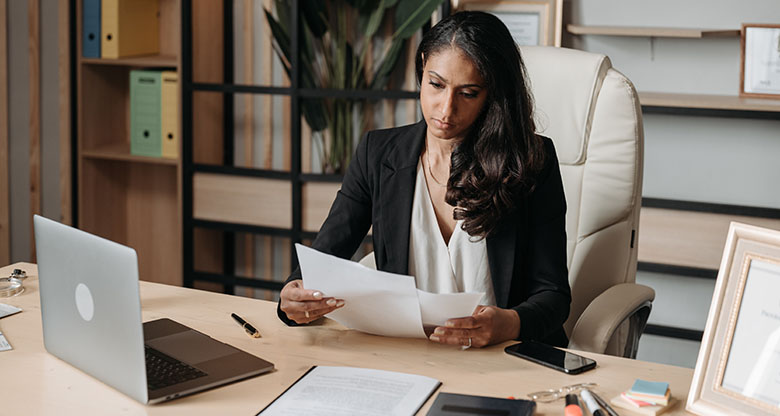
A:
<point x="349" y="218"/>
<point x="546" y="282"/>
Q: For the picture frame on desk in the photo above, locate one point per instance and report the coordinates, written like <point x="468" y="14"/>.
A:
<point x="531" y="22"/>
<point x="759" y="75"/>
<point x="738" y="368"/>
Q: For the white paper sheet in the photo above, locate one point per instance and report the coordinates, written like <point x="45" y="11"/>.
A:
<point x="337" y="391"/>
<point x="8" y="310"/>
<point x="437" y="308"/>
<point x="378" y="302"/>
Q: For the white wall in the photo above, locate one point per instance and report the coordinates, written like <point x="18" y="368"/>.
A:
<point x="706" y="159"/>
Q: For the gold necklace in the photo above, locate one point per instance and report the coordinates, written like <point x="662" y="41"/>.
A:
<point x="430" y="170"/>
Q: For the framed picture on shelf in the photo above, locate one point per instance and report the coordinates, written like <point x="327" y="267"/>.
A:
<point x="738" y="368"/>
<point x="760" y="56"/>
<point x="531" y="22"/>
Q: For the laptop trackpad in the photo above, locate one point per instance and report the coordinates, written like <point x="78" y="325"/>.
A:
<point x="191" y="347"/>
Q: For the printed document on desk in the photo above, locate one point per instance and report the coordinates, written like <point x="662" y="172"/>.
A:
<point x="373" y="294"/>
<point x="338" y="391"/>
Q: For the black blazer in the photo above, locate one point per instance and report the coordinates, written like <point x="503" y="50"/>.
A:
<point x="527" y="255"/>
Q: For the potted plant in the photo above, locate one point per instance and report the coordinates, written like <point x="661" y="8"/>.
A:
<point x="334" y="49"/>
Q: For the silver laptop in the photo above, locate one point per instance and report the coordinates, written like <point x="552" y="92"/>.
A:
<point x="91" y="312"/>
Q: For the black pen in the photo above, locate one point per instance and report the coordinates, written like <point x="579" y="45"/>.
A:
<point x="604" y="404"/>
<point x="247" y="327"/>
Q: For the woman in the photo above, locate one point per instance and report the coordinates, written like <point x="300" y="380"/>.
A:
<point x="496" y="224"/>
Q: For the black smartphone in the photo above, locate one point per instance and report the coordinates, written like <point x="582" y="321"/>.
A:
<point x="552" y="357"/>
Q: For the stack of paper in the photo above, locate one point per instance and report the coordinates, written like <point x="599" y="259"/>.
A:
<point x="645" y="397"/>
<point x="373" y="294"/>
<point x="646" y="393"/>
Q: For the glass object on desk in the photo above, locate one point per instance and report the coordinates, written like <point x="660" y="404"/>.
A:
<point x="550" y="395"/>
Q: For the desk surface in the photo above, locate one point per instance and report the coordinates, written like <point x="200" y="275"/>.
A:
<point x="43" y="384"/>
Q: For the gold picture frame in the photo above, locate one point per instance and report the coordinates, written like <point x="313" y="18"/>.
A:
<point x="759" y="70"/>
<point x="738" y="368"/>
<point x="531" y="22"/>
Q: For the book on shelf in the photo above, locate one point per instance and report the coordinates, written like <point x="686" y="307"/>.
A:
<point x="129" y="28"/>
<point x="154" y="113"/>
<point x="90" y="28"/>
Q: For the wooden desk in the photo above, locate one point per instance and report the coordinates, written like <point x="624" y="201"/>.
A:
<point x="42" y="384"/>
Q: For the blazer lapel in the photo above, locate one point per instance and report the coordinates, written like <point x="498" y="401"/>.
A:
<point x="501" y="257"/>
<point x="397" y="178"/>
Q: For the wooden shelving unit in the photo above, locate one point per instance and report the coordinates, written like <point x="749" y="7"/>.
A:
<point x="133" y="200"/>
<point x="706" y="101"/>
<point x="654" y="32"/>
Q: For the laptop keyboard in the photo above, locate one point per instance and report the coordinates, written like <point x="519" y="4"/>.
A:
<point x="163" y="370"/>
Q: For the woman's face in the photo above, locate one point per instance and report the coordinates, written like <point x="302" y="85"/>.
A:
<point x="452" y="94"/>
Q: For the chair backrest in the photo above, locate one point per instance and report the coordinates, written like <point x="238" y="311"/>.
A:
<point x="592" y="114"/>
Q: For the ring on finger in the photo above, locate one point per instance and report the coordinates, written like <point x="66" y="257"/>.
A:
<point x="307" y="314"/>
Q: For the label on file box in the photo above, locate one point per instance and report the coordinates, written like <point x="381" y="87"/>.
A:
<point x="90" y="25"/>
<point x="170" y="114"/>
<point x="145" y="110"/>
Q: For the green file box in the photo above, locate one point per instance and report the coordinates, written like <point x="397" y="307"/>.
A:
<point x="145" y="113"/>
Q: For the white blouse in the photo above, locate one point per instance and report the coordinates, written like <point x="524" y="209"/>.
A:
<point x="461" y="266"/>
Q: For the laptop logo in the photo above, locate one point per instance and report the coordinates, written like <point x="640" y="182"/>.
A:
<point x="84" y="302"/>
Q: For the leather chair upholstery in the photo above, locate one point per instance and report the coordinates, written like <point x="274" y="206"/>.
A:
<point x="592" y="114"/>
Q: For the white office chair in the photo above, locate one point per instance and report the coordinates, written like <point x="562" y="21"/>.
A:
<point x="592" y="113"/>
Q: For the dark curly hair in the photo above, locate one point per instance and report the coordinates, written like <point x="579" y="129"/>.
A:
<point x="498" y="160"/>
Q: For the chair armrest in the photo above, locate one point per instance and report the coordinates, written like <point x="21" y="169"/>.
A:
<point x="601" y="318"/>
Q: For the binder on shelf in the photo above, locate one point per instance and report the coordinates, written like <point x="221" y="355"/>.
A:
<point x="145" y="110"/>
<point x="170" y="114"/>
<point x="90" y="28"/>
<point x="129" y="27"/>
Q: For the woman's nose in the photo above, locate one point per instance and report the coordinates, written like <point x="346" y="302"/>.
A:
<point x="448" y="104"/>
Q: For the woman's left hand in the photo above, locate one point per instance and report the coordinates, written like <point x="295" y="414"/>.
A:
<point x="486" y="326"/>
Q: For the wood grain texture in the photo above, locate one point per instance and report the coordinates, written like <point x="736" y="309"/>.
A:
<point x="63" y="62"/>
<point x="249" y="124"/>
<point x="293" y="350"/>
<point x="34" y="32"/>
<point x="685" y="238"/>
<point x="317" y="197"/>
<point x="658" y="32"/>
<point x="5" y="221"/>
<point x="707" y="101"/>
<point x="243" y="200"/>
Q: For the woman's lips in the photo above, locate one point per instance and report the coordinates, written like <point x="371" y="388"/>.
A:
<point x="442" y="125"/>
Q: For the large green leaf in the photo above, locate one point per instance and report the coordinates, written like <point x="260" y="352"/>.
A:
<point x="369" y="24"/>
<point x="382" y="73"/>
<point x="411" y="15"/>
<point x="315" y="15"/>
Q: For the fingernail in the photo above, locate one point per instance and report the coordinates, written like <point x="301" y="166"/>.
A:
<point x="438" y="331"/>
<point x="331" y="302"/>
<point x="434" y="338"/>
<point x="449" y="324"/>
<point x="317" y="294"/>
<point x="340" y="303"/>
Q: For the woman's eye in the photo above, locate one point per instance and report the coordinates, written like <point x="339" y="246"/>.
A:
<point x="469" y="94"/>
<point x="436" y="85"/>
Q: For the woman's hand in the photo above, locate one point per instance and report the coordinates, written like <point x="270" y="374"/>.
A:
<point x="303" y="305"/>
<point x="486" y="326"/>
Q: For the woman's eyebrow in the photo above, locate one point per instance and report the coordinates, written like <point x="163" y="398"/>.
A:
<point x="434" y="73"/>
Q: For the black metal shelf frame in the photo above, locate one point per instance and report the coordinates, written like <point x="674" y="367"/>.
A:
<point x="294" y="175"/>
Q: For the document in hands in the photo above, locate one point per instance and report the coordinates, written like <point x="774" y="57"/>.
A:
<point x="353" y="391"/>
<point x="372" y="295"/>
